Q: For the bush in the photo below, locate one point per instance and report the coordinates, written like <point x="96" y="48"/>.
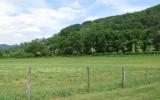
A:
<point x="18" y="53"/>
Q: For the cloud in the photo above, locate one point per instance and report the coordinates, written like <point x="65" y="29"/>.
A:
<point x="19" y="35"/>
<point x="35" y="20"/>
<point x="92" y="18"/>
<point x="121" y="5"/>
<point x="30" y="29"/>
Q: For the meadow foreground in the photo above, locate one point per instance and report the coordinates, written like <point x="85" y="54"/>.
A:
<point x="65" y="78"/>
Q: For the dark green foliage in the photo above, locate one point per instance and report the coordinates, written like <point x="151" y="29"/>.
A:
<point x="37" y="48"/>
<point x="18" y="53"/>
<point x="1" y="54"/>
<point x="70" y="29"/>
<point x="157" y="41"/>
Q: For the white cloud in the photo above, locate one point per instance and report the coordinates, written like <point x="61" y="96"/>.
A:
<point x="121" y="5"/>
<point x="35" y="21"/>
<point x="30" y="29"/>
<point x="92" y="18"/>
<point x="19" y="35"/>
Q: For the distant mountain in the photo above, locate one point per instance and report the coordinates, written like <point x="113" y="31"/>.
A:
<point x="5" y="46"/>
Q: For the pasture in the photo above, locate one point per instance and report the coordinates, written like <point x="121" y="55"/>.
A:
<point x="65" y="78"/>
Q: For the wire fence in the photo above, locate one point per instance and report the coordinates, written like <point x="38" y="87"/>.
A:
<point x="52" y="82"/>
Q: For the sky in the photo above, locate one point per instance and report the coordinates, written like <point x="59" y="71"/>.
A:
<point x="24" y="20"/>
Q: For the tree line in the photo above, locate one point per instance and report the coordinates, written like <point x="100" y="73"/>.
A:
<point x="137" y="32"/>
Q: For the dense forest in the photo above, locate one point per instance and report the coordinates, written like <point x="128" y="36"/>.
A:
<point x="137" y="32"/>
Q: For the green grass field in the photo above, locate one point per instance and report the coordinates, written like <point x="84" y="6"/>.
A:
<point x="65" y="78"/>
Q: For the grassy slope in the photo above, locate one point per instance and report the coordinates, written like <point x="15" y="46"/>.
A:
<point x="148" y="92"/>
<point x="65" y="78"/>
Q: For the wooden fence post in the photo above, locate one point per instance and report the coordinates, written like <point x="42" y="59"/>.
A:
<point x="123" y="78"/>
<point x="88" y="79"/>
<point x="29" y="84"/>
